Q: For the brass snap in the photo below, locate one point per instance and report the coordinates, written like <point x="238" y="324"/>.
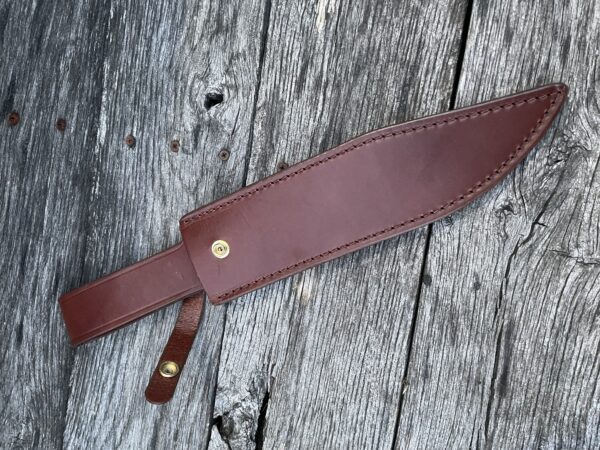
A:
<point x="220" y="249"/>
<point x="169" y="369"/>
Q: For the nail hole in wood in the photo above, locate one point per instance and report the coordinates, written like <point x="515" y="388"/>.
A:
<point x="14" y="118"/>
<point x="175" y="146"/>
<point x="61" y="124"/>
<point x="212" y="99"/>
<point x="224" y="154"/>
<point x="130" y="141"/>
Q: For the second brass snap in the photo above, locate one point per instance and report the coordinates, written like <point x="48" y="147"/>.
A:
<point x="169" y="369"/>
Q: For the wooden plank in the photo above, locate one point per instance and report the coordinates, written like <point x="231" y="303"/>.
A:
<point x="507" y="341"/>
<point x="506" y="349"/>
<point x="168" y="65"/>
<point x="47" y="57"/>
<point x="318" y="360"/>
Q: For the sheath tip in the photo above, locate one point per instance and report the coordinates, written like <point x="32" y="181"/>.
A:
<point x="562" y="87"/>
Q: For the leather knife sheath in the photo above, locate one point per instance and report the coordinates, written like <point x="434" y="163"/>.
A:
<point x="368" y="189"/>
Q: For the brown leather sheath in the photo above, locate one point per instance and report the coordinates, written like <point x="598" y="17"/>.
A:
<point x="371" y="188"/>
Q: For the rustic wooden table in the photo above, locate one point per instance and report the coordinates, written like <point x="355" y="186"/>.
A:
<point x="482" y="330"/>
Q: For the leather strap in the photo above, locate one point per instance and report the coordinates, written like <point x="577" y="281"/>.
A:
<point x="129" y="294"/>
<point x="165" y="377"/>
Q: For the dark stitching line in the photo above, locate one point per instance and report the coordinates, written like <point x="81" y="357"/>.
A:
<point x="448" y="121"/>
<point x="498" y="171"/>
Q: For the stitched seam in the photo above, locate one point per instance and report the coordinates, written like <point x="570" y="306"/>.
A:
<point x="503" y="167"/>
<point x="459" y="199"/>
<point x="406" y="131"/>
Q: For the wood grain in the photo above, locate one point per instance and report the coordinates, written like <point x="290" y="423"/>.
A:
<point x="506" y="351"/>
<point x="47" y="60"/>
<point x="317" y="361"/>
<point x="167" y="66"/>
<point x="484" y="333"/>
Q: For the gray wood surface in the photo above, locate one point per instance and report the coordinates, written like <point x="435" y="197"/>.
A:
<point x="509" y="341"/>
<point x="157" y="74"/>
<point x="480" y="331"/>
<point x="322" y="355"/>
<point x="49" y="67"/>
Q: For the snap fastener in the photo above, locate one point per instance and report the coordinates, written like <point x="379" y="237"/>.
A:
<point x="169" y="369"/>
<point x="220" y="249"/>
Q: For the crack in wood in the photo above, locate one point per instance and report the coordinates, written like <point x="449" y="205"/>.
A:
<point x="413" y="325"/>
<point x="425" y="279"/>
<point x="492" y="385"/>
<point x="464" y="37"/>
<point x="259" y="76"/>
<point x="261" y="423"/>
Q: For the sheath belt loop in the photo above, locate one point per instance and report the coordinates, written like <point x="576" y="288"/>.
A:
<point x="165" y="377"/>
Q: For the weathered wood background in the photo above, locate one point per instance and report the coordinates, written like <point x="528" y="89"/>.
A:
<point x="482" y="330"/>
